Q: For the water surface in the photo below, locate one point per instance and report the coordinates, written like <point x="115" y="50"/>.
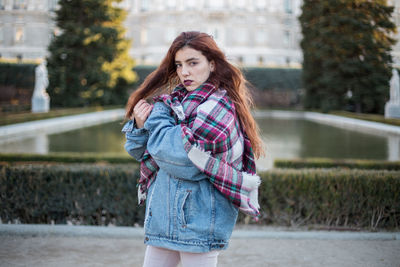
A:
<point x="283" y="138"/>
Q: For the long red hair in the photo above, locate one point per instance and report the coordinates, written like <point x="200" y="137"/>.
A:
<point x="225" y="76"/>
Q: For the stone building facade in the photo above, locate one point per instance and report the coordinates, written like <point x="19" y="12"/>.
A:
<point x="26" y="28"/>
<point x="250" y="32"/>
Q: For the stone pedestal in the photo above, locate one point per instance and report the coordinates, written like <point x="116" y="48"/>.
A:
<point x="392" y="110"/>
<point x="40" y="103"/>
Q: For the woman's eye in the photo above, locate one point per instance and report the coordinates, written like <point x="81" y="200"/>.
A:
<point x="193" y="63"/>
<point x="178" y="65"/>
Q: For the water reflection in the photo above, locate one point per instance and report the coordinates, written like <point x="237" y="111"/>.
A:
<point x="284" y="138"/>
<point x="104" y="138"/>
<point x="38" y="144"/>
<point x="393" y="145"/>
<point x="297" y="138"/>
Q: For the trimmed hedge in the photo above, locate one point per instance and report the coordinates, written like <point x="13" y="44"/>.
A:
<point x="274" y="78"/>
<point x="99" y="195"/>
<point x="142" y="71"/>
<point x="270" y="87"/>
<point x="81" y="194"/>
<point x="337" y="163"/>
<point x="23" y="75"/>
<point x="20" y="75"/>
<point x="68" y="157"/>
<point x="17" y="81"/>
<point x="331" y="197"/>
<point x="260" y="78"/>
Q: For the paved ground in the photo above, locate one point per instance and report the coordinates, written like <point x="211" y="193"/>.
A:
<point x="102" y="246"/>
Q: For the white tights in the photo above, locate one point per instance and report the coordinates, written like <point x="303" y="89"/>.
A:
<point x="161" y="257"/>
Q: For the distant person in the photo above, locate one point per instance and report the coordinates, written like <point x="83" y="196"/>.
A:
<point x="191" y="128"/>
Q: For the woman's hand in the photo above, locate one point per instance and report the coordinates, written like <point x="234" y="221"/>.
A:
<point x="140" y="112"/>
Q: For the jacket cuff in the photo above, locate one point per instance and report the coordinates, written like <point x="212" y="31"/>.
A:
<point x="130" y="128"/>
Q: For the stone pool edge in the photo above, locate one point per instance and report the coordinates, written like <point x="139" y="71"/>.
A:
<point x="333" y="120"/>
<point x="23" y="130"/>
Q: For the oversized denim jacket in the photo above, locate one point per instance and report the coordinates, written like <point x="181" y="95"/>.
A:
<point x="183" y="209"/>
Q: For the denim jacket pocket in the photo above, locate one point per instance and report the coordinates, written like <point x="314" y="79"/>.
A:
<point x="185" y="208"/>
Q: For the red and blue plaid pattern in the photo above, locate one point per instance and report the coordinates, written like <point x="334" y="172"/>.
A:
<point x="210" y="130"/>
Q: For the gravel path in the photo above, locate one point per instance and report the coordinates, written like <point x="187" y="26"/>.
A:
<point x="298" y="250"/>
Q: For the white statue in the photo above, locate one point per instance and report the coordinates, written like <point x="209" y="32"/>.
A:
<point x="40" y="98"/>
<point x="395" y="88"/>
<point x="392" y="107"/>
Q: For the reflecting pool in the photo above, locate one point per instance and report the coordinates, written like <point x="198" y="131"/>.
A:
<point x="283" y="138"/>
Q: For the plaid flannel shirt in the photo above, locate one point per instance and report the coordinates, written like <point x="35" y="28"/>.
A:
<point x="215" y="144"/>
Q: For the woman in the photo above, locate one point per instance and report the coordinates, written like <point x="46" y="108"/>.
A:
<point x="196" y="147"/>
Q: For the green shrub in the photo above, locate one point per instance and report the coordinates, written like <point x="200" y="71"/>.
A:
<point x="102" y="194"/>
<point x="274" y="78"/>
<point x="331" y="197"/>
<point x="260" y="78"/>
<point x="81" y="194"/>
<point x="17" y="82"/>
<point x="142" y="71"/>
<point x="68" y="157"/>
<point x="270" y="87"/>
<point x="19" y="75"/>
<point x="337" y="163"/>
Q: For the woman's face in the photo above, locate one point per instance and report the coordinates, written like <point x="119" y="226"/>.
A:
<point x="192" y="67"/>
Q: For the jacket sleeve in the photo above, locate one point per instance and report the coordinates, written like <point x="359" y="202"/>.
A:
<point x="165" y="145"/>
<point x="136" y="140"/>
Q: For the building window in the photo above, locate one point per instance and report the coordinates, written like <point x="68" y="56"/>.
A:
<point x="261" y="37"/>
<point x="217" y="33"/>
<point x="240" y="60"/>
<point x="241" y="36"/>
<point x="1" y="35"/>
<point x="144" y="5"/>
<point x="216" y="4"/>
<point x="125" y="4"/>
<point x="286" y="38"/>
<point x="171" y="4"/>
<point x="288" y="6"/>
<point x="260" y="4"/>
<point x="240" y="3"/>
<point x="143" y="59"/>
<point x="170" y="34"/>
<point x="2" y="4"/>
<point x="260" y="61"/>
<point x="143" y="36"/>
<point x="19" y="35"/>
<point x="52" y="5"/>
<point x="20" y="4"/>
<point x="190" y="4"/>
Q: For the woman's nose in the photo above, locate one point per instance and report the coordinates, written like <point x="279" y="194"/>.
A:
<point x="185" y="70"/>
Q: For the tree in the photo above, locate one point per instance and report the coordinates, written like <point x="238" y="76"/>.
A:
<point x="346" y="46"/>
<point x="89" y="62"/>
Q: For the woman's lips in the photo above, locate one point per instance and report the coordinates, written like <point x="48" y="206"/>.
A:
<point x="187" y="82"/>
